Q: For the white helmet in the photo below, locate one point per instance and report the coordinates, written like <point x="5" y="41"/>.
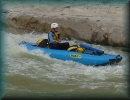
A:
<point x="54" y="25"/>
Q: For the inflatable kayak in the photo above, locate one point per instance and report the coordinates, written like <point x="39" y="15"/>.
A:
<point x="91" y="56"/>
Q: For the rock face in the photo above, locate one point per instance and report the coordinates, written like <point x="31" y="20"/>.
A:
<point x="102" y="32"/>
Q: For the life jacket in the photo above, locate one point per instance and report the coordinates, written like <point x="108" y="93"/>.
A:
<point x="56" y="36"/>
<point x="43" y="43"/>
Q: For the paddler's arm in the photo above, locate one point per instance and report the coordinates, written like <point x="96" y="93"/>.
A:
<point x="51" y="38"/>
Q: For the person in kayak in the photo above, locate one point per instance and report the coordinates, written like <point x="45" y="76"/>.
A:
<point x="54" y="39"/>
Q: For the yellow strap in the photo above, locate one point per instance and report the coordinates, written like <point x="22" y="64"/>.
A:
<point x="71" y="48"/>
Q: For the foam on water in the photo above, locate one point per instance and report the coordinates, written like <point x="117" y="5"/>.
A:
<point x="40" y="67"/>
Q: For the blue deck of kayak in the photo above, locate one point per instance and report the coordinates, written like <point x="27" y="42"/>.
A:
<point x="85" y="58"/>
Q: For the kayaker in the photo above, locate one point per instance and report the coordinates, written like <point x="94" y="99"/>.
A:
<point x="54" y="39"/>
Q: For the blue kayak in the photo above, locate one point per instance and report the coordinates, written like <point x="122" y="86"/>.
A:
<point x="91" y="56"/>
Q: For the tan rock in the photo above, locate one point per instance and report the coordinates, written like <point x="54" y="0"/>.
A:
<point x="101" y="25"/>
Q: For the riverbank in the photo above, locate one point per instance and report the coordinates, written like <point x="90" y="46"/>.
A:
<point x="103" y="25"/>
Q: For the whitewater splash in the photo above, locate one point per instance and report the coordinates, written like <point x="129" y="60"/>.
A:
<point x="35" y="72"/>
<point x="32" y="72"/>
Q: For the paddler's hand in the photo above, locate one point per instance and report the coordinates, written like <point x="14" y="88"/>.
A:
<point x="56" y="41"/>
<point x="59" y="40"/>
